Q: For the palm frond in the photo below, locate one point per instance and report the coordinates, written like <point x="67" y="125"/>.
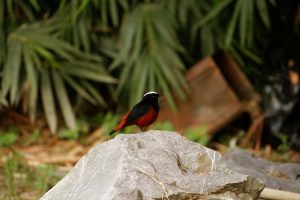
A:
<point x="78" y="88"/>
<point x="185" y="11"/>
<point x="241" y="23"/>
<point x="148" y="40"/>
<point x="16" y="8"/>
<point x="48" y="100"/>
<point x="263" y="12"/>
<point x="64" y="101"/>
<point x="214" y="12"/>
<point x="233" y="23"/>
<point x="11" y="69"/>
<point x="109" y="10"/>
<point x="32" y="75"/>
<point x="52" y="62"/>
<point x="2" y="34"/>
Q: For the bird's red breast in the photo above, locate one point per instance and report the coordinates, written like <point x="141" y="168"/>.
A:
<point x="141" y="122"/>
<point x="147" y="118"/>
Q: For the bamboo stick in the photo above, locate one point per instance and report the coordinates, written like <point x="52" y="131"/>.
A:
<point x="273" y="194"/>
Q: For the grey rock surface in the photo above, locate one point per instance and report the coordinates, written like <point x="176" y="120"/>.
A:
<point x="280" y="176"/>
<point x="153" y="165"/>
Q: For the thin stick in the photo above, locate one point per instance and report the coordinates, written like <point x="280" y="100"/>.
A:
<point x="273" y="194"/>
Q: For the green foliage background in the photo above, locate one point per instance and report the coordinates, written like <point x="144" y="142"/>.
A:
<point x="58" y="54"/>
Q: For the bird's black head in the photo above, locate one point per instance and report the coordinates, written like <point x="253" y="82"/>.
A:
<point x="151" y="97"/>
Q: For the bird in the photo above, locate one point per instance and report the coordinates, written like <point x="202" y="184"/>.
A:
<point x="142" y="114"/>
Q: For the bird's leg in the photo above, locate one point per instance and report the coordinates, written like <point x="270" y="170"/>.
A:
<point x="142" y="128"/>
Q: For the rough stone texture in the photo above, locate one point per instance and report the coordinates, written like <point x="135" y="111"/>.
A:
<point x="153" y="165"/>
<point x="273" y="175"/>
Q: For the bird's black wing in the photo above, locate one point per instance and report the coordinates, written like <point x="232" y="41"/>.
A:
<point x="137" y="112"/>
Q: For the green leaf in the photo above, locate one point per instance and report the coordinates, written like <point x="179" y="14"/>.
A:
<point x="167" y="72"/>
<point x="142" y="79"/>
<point x="207" y="43"/>
<point x="35" y="4"/>
<point x="58" y="46"/>
<point x="25" y="8"/>
<point x="251" y="29"/>
<point x="94" y="92"/>
<point x="63" y="100"/>
<point x="124" y="4"/>
<point x="128" y="32"/>
<point x="33" y="82"/>
<point x="1" y="14"/>
<point x="48" y="100"/>
<point x="68" y="134"/>
<point x="16" y="65"/>
<point x="125" y="75"/>
<point x="10" y="9"/>
<point x="84" y="36"/>
<point x="89" y="74"/>
<point x="11" y="69"/>
<point x="2" y="35"/>
<point x="79" y="89"/>
<point x="7" y="139"/>
<point x="151" y="75"/>
<point x="263" y="12"/>
<point x="114" y="12"/>
<point x="237" y="55"/>
<point x="213" y="13"/>
<point x="167" y="36"/>
<point x="233" y="22"/>
<point x="249" y="54"/>
<point x="153" y="45"/>
<point x="273" y="2"/>
<point x="245" y="14"/>
<point x="104" y="13"/>
<point x="46" y="54"/>
<point x="166" y="90"/>
<point x="82" y="7"/>
<point x="138" y="41"/>
<point x="36" y="60"/>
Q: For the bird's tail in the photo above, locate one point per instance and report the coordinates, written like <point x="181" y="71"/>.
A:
<point x="121" y="125"/>
<point x="111" y="132"/>
<point x="117" y="128"/>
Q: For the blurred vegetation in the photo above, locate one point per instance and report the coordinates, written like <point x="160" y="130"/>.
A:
<point x="24" y="182"/>
<point x="198" y="134"/>
<point x="57" y="56"/>
<point x="285" y="144"/>
<point x="8" y="137"/>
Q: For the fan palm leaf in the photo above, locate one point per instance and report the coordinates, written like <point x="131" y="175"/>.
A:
<point x="242" y="18"/>
<point x="149" y="54"/>
<point x="53" y="64"/>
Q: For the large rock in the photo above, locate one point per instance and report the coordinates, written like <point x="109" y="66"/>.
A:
<point x="153" y="165"/>
<point x="280" y="176"/>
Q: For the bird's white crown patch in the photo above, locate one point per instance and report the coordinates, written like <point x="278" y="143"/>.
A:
<point x="151" y="92"/>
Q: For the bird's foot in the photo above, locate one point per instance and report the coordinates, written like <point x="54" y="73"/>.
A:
<point x="143" y="129"/>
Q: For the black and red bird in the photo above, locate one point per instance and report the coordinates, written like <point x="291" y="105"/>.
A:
<point x="142" y="114"/>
